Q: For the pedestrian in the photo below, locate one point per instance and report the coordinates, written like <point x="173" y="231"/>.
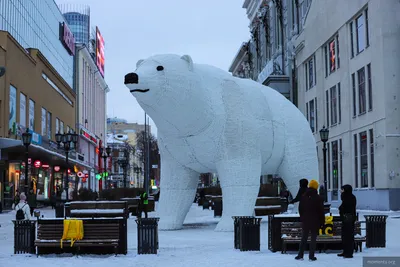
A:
<point x="22" y="208"/>
<point x="312" y="217"/>
<point x="303" y="188"/>
<point x="32" y="201"/>
<point x="16" y="199"/>
<point x="144" y="201"/>
<point x="348" y="215"/>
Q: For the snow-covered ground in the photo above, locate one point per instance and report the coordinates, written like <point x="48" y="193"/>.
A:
<point x="195" y="245"/>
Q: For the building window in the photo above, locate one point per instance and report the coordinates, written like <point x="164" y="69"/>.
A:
<point x="333" y="105"/>
<point x="353" y="84"/>
<point x="316" y="114"/>
<point x="371" y="162"/>
<point x="310" y="73"/>
<point x="364" y="159"/>
<point x="332" y="62"/>
<point x="332" y="56"/>
<point x="335" y="170"/>
<point x="61" y="126"/>
<point x="58" y="125"/>
<point x="359" y="31"/>
<point x="362" y="100"/>
<point x="49" y="125"/>
<point x="31" y="114"/>
<point x="327" y="107"/>
<point x="339" y="103"/>
<point x="355" y="161"/>
<point x="307" y="112"/>
<point x="340" y="162"/>
<point x="22" y="109"/>
<point x="369" y="87"/>
<point x="351" y="39"/>
<point x="312" y="115"/>
<point x="68" y="129"/>
<point x="44" y="119"/>
<point x="329" y="165"/>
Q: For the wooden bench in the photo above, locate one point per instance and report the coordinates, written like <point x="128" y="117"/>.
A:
<point x="291" y="234"/>
<point x="49" y="234"/>
<point x="269" y="206"/>
<point x="96" y="209"/>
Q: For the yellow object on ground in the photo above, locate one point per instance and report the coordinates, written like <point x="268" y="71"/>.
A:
<point x="73" y="230"/>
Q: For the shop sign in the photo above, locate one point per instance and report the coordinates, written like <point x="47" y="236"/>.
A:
<point x="29" y="161"/>
<point x="37" y="164"/>
<point x="45" y="166"/>
<point x="80" y="174"/>
<point x="88" y="136"/>
<point x="56" y="168"/>
<point x="36" y="138"/>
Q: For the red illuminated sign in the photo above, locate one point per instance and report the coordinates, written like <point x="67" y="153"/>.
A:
<point x="45" y="166"/>
<point x="37" y="164"/>
<point x="89" y="136"/>
<point x="99" y="51"/>
<point x="56" y="168"/>
<point x="67" y="38"/>
<point x="69" y="171"/>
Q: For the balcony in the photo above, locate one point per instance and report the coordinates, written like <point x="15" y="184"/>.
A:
<point x="272" y="76"/>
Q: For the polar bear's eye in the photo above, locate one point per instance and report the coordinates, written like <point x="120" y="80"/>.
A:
<point x="160" y="68"/>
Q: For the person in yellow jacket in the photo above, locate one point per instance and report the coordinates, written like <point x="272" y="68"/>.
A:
<point x="144" y="202"/>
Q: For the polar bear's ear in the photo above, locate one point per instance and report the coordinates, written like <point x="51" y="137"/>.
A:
<point x="189" y="60"/>
<point x="139" y="62"/>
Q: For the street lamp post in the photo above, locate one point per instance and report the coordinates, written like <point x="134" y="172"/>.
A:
<point x="137" y="170"/>
<point x="105" y="153"/>
<point x="324" y="134"/>
<point x="26" y="139"/>
<point x="123" y="163"/>
<point x="67" y="139"/>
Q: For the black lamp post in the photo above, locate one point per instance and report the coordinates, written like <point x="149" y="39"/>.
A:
<point x="27" y="140"/>
<point x="105" y="153"/>
<point x="137" y="170"/>
<point x="123" y="163"/>
<point x="324" y="134"/>
<point x="67" y="139"/>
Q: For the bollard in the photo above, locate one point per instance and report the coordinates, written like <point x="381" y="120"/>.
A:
<point x="24" y="236"/>
<point x="375" y="231"/>
<point x="147" y="232"/>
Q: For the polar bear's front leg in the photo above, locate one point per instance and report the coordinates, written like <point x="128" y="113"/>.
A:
<point x="240" y="184"/>
<point x="178" y="186"/>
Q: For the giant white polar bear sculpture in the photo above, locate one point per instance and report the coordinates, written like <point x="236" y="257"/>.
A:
<point x="210" y="121"/>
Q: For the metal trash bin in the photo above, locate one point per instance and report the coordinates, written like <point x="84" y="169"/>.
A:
<point x="59" y="209"/>
<point x="375" y="231"/>
<point x="24" y="236"/>
<point x="147" y="233"/>
<point x="236" y="229"/>
<point x="249" y="229"/>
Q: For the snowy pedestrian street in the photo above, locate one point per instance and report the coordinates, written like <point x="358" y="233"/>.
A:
<point x="195" y="245"/>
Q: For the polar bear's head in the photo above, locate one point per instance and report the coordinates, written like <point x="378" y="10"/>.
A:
<point x="168" y="88"/>
<point x="160" y="76"/>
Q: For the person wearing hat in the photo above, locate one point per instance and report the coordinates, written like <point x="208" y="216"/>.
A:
<point x="312" y="217"/>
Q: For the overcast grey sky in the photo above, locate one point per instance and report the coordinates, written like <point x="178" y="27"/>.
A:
<point x="210" y="31"/>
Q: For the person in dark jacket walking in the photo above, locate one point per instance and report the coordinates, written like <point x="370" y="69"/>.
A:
<point x="312" y="217"/>
<point x="348" y="215"/>
<point x="32" y="201"/>
<point x="303" y="188"/>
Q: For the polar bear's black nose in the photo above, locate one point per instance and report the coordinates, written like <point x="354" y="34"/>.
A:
<point x="131" y="78"/>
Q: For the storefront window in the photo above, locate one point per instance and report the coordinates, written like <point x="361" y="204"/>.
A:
<point x="12" y="184"/>
<point x="42" y="181"/>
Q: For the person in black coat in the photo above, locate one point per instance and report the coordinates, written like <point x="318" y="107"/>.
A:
<point x="303" y="188"/>
<point x="348" y="215"/>
<point x="312" y="217"/>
